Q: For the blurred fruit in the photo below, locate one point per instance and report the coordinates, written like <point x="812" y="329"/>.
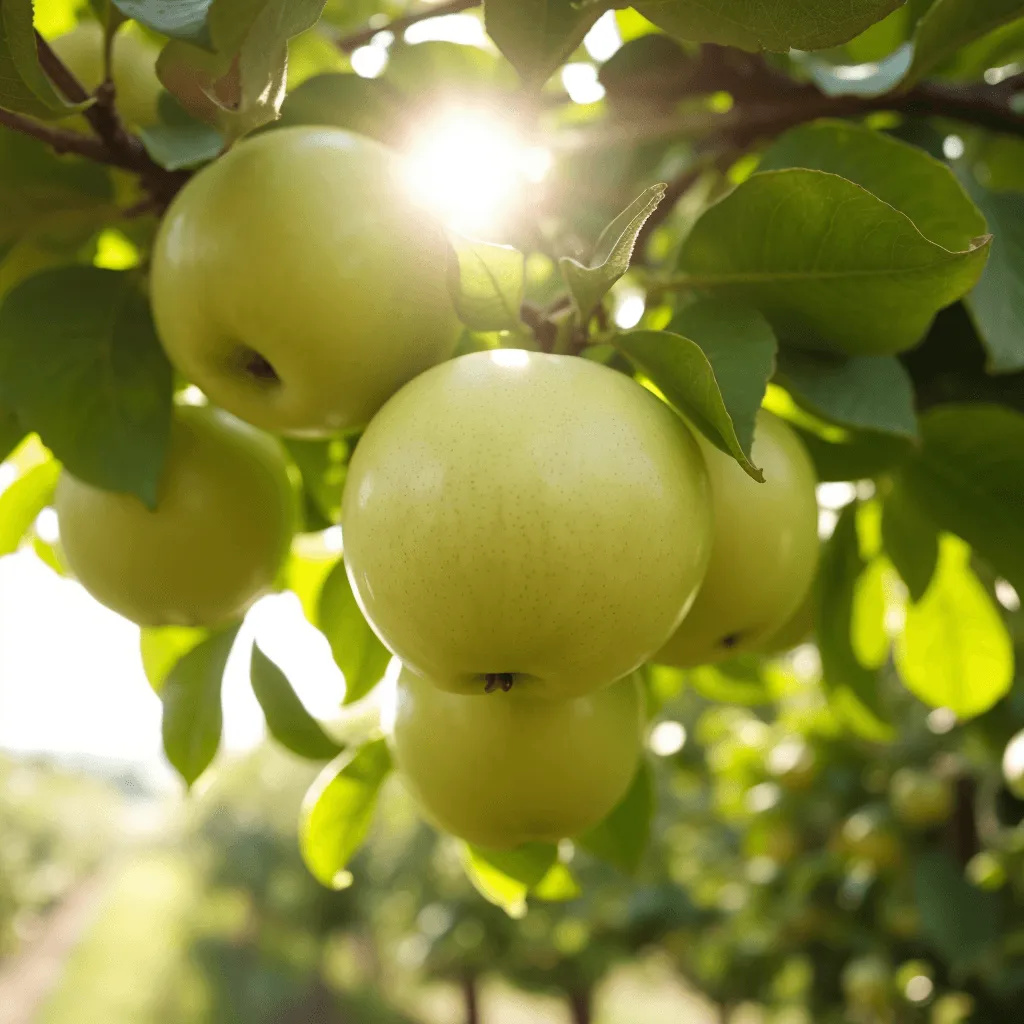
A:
<point x="867" y="982"/>
<point x="793" y="762"/>
<point x="986" y="870"/>
<point x="869" y="835"/>
<point x="920" y="799"/>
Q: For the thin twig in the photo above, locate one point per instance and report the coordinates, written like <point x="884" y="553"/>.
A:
<point x="62" y="140"/>
<point x="352" y="42"/>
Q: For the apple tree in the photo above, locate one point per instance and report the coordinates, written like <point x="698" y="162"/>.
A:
<point x="663" y="368"/>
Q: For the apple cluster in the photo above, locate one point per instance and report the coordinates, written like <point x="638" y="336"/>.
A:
<point x="523" y="531"/>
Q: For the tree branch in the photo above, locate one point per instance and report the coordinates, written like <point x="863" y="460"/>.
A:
<point x="61" y="140"/>
<point x="352" y="42"/>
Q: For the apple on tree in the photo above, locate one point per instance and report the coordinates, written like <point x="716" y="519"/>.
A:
<point x="516" y="518"/>
<point x="764" y="553"/>
<point x="227" y="510"/>
<point x="511" y="768"/>
<point x="296" y="287"/>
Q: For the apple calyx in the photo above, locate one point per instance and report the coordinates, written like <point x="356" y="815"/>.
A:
<point x="499" y="680"/>
<point x="258" y="367"/>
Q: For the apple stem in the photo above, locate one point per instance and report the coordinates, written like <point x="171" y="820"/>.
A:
<point x="499" y="680"/>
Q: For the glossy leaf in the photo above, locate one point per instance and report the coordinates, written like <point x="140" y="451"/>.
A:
<point x="362" y="658"/>
<point x="910" y="540"/>
<point x="81" y="365"/>
<point x="622" y="838"/>
<point x="682" y="373"/>
<point x="287" y="719"/>
<point x="338" y="811"/>
<point x="770" y="25"/>
<point x="969" y="475"/>
<point x="180" y="140"/>
<point x="179" y="19"/>
<point x="954" y="651"/>
<point x="193" y="717"/>
<point x="830" y="265"/>
<point x="162" y="647"/>
<point x="486" y="284"/>
<point x="23" y="500"/>
<point x="505" y="877"/>
<point x="589" y="284"/>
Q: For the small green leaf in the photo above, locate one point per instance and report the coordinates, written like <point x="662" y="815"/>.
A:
<point x="831" y="266"/>
<point x="486" y="284"/>
<point x="162" y="647"/>
<point x="865" y="392"/>
<point x="23" y="500"/>
<point x="193" y="716"/>
<point x="683" y="374"/>
<point x="81" y="365"/>
<point x="911" y="541"/>
<point x="969" y="475"/>
<point x="180" y="140"/>
<point x="505" y="877"/>
<point x="622" y="838"/>
<point x="741" y="347"/>
<point x="558" y="885"/>
<point x="288" y="721"/>
<point x="588" y="285"/>
<point x="362" y="658"/>
<point x="853" y="689"/>
<point x="338" y="811"/>
<point x="949" y="25"/>
<point x="954" y="651"/>
<point x="538" y="35"/>
<point x="179" y="19"/>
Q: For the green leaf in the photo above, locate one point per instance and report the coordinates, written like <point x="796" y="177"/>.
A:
<point x="162" y="647"/>
<point x="193" y="716"/>
<point x="858" y="79"/>
<point x="949" y="25"/>
<point x="853" y="689"/>
<point x="910" y="540"/>
<point x="338" y="811"/>
<point x="23" y="500"/>
<point x="869" y="392"/>
<point x="741" y="347"/>
<point x="179" y="19"/>
<point x="959" y="921"/>
<point x="769" y="25"/>
<point x="904" y="176"/>
<point x="969" y="475"/>
<point x="996" y="304"/>
<point x="683" y="374"/>
<point x="505" y="877"/>
<point x="539" y="35"/>
<point x="486" y="284"/>
<point x="24" y="87"/>
<point x="557" y="886"/>
<point x="954" y="651"/>
<point x="362" y="658"/>
<point x="12" y="433"/>
<point x="622" y="838"/>
<point x="180" y="140"/>
<point x="438" y="70"/>
<point x="872" y="595"/>
<point x="324" y="468"/>
<point x="589" y="284"/>
<point x="855" y="457"/>
<point x="288" y="721"/>
<point x="830" y="265"/>
<point x="370" y="106"/>
<point x="81" y="365"/>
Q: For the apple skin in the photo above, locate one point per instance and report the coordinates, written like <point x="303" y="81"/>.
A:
<point x="530" y="515"/>
<point x="137" y="88"/>
<point x="503" y="769"/>
<point x="295" y="285"/>
<point x="764" y="554"/>
<point x="920" y="799"/>
<point x="227" y="509"/>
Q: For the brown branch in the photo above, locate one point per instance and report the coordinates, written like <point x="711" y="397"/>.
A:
<point x="61" y="140"/>
<point x="352" y="42"/>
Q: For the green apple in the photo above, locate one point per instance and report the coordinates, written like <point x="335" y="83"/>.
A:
<point x="296" y="286"/>
<point x="920" y="799"/>
<point x="503" y="769"/>
<point x="764" y="554"/>
<point x="798" y="628"/>
<point x="226" y="512"/>
<point x="136" y="85"/>
<point x="516" y="518"/>
<point x="1013" y="765"/>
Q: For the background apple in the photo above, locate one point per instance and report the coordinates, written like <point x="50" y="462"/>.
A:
<point x="294" y="285"/>
<point x="503" y="769"/>
<point x="529" y="516"/>
<point x="222" y="529"/>
<point x="764" y="553"/>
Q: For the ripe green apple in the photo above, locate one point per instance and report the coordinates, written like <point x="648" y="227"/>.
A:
<point x="296" y="286"/>
<point x="503" y="769"/>
<point x="136" y="85"/>
<point x="1013" y="765"/>
<point x="798" y="628"/>
<point x="764" y="554"/>
<point x="226" y="512"/>
<point x="920" y="799"/>
<point x="513" y="517"/>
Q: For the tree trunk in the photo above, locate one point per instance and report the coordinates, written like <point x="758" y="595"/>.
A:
<point x="471" y="996"/>
<point x="579" y="1006"/>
